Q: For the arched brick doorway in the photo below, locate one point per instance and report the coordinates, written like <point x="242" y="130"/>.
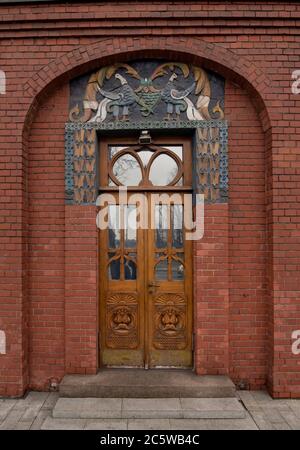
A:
<point x="39" y="89"/>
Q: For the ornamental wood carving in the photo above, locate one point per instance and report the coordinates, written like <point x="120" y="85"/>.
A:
<point x="170" y="322"/>
<point x="122" y="321"/>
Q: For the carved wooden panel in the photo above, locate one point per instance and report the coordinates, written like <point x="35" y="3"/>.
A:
<point x="122" y="321"/>
<point x="169" y="318"/>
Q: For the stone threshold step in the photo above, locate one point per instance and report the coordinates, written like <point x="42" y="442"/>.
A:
<point x="148" y="408"/>
<point x="137" y="383"/>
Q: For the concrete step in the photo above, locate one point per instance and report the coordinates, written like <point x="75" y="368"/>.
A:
<point x="135" y="383"/>
<point x="149" y="408"/>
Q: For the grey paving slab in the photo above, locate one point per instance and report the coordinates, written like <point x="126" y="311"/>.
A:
<point x="32" y="398"/>
<point x="31" y="404"/>
<point x="248" y="400"/>
<point x="24" y="411"/>
<point x="261" y="396"/>
<point x="12" y="418"/>
<point x="51" y="400"/>
<point x="68" y="408"/>
<point x="261" y="421"/>
<point x="281" y="426"/>
<point x="189" y="424"/>
<point x="88" y="408"/>
<point x="23" y="425"/>
<point x="106" y="424"/>
<point x="213" y="424"/>
<point x="264" y="399"/>
<point x="212" y="408"/>
<point x="63" y="424"/>
<point x="281" y="407"/>
<point x="31" y="412"/>
<point x="272" y="414"/>
<point x="149" y="424"/>
<point x="102" y="408"/>
<point x="30" y="407"/>
<point x="292" y="420"/>
<point x="232" y="424"/>
<point x="40" y="418"/>
<point x="5" y="408"/>
<point x="45" y="411"/>
<point x="295" y="407"/>
<point x="147" y="408"/>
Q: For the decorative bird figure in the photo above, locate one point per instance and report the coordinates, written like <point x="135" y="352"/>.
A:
<point x="148" y="96"/>
<point x="178" y="101"/>
<point x="117" y="102"/>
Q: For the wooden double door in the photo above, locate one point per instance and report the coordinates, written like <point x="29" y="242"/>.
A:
<point x="145" y="259"/>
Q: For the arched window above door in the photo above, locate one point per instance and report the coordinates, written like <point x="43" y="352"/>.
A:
<point x="166" y="162"/>
<point x="146" y="165"/>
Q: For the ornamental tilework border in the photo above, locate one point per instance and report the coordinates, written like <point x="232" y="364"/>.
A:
<point x="210" y="162"/>
<point x="210" y="165"/>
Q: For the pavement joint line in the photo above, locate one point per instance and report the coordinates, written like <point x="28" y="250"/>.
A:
<point x="249" y="412"/>
<point x="39" y="409"/>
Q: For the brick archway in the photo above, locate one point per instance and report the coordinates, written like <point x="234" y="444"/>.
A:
<point x="86" y="58"/>
<point x="211" y="56"/>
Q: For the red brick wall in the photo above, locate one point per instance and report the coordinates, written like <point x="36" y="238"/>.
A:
<point x="211" y="293"/>
<point x="255" y="45"/>
<point x="46" y="263"/>
<point x="81" y="289"/>
<point x="247" y="241"/>
<point x="230" y="261"/>
<point x="62" y="257"/>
